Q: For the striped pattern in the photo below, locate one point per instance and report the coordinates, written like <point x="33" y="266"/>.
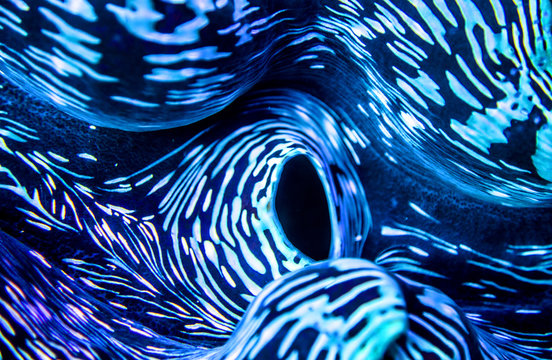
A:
<point x="500" y="304"/>
<point x="437" y="328"/>
<point x="44" y="314"/>
<point x="207" y="238"/>
<point x="187" y="60"/>
<point x="154" y="250"/>
<point x="462" y="87"/>
<point x="468" y="79"/>
<point x="339" y="309"/>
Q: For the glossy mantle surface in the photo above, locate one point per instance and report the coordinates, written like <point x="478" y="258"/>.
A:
<point x="276" y="179"/>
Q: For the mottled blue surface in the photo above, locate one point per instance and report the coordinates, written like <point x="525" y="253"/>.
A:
<point x="143" y="142"/>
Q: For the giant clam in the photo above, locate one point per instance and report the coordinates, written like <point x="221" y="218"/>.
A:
<point x="153" y="153"/>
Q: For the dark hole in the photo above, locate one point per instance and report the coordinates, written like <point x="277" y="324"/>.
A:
<point x="303" y="210"/>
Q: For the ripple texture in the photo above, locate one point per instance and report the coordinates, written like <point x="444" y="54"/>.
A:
<point x="142" y="144"/>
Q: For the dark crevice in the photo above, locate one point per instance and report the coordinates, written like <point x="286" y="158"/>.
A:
<point x="303" y="210"/>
